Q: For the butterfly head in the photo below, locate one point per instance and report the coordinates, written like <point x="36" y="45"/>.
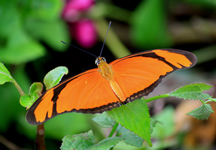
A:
<point x="99" y="60"/>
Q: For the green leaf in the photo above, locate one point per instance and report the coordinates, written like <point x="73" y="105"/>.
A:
<point x="106" y="144"/>
<point x="129" y="137"/>
<point x="5" y="75"/>
<point x="104" y="120"/>
<point x="202" y="86"/>
<point x="149" y="25"/>
<point x="192" y="91"/>
<point x="78" y="142"/>
<point x="36" y="90"/>
<point x="165" y="128"/>
<point x="202" y="112"/>
<point x="54" y="76"/>
<point x="28" y="99"/>
<point x="135" y="117"/>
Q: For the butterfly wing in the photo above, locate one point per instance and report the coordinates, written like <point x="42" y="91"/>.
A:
<point x="138" y="74"/>
<point x="87" y="92"/>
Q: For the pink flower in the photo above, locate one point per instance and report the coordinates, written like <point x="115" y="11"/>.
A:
<point x="82" y="29"/>
<point x="84" y="32"/>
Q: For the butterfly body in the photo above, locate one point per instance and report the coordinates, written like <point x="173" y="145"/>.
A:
<point x="104" y="68"/>
<point x="110" y="85"/>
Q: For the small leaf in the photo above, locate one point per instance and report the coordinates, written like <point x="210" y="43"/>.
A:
<point x="5" y="75"/>
<point x="34" y="92"/>
<point x="78" y="142"/>
<point x="203" y="86"/>
<point x="104" y="120"/>
<point x="202" y="112"/>
<point x="192" y="91"/>
<point x="129" y="137"/>
<point x="134" y="117"/>
<point x="165" y="128"/>
<point x="153" y="123"/>
<point x="54" y="76"/>
<point x="106" y="144"/>
<point x="26" y="100"/>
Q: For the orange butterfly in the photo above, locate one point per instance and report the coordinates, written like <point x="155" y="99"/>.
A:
<point x="110" y="85"/>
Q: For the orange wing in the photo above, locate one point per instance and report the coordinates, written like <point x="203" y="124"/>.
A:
<point x="138" y="74"/>
<point x="89" y="92"/>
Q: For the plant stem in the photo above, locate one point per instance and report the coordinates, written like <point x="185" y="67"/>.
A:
<point x="40" y="142"/>
<point x="113" y="42"/>
<point x="212" y="99"/>
<point x="18" y="87"/>
<point x="113" y="130"/>
<point x="40" y="137"/>
<point x="202" y="101"/>
<point x="102" y="10"/>
<point x="156" y="97"/>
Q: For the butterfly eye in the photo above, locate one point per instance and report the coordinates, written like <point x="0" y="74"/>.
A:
<point x="99" y="59"/>
<point x="104" y="59"/>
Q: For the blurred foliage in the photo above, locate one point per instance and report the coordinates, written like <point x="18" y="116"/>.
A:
<point x="149" y="25"/>
<point x="165" y="126"/>
<point x="30" y="35"/>
<point x="24" y="24"/>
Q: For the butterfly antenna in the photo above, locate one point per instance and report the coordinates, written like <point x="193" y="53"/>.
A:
<point x="105" y="38"/>
<point x="80" y="49"/>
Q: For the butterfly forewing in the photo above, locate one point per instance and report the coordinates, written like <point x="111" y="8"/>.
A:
<point x="138" y="74"/>
<point x="88" y="92"/>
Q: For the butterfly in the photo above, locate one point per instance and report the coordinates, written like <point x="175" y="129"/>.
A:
<point x="110" y="85"/>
